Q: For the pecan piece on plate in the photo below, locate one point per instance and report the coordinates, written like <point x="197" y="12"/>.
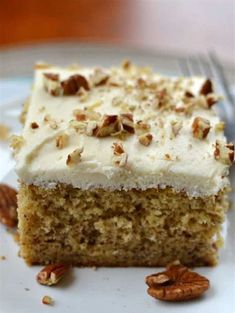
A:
<point x="177" y="283"/>
<point x="8" y="205"/>
<point x="52" y="274"/>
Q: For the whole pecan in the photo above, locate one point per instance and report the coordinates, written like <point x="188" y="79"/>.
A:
<point x="52" y="274"/>
<point x="8" y="205"/>
<point x="177" y="283"/>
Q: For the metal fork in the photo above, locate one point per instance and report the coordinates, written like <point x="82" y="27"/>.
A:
<point x="211" y="68"/>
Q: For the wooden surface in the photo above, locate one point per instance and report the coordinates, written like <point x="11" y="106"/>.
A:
<point x="171" y="25"/>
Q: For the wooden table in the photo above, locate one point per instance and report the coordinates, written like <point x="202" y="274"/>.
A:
<point x="171" y="25"/>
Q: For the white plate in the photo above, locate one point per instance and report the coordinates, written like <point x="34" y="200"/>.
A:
<point x="107" y="290"/>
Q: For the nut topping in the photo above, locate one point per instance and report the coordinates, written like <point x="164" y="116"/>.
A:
<point x="69" y="86"/>
<point x="206" y="88"/>
<point x="177" y="283"/>
<point x="52" y="84"/>
<point x="52" y="274"/>
<point x="34" y="125"/>
<point x="224" y="152"/>
<point x="72" y="85"/>
<point x="201" y="127"/>
<point x="47" y="300"/>
<point x="145" y="139"/>
<point x="99" y="78"/>
<point x="61" y="141"/>
<point x="121" y="157"/>
<point x="108" y="126"/>
<point x="74" y="157"/>
<point x="8" y="206"/>
<point x="118" y="148"/>
<point x="176" y="127"/>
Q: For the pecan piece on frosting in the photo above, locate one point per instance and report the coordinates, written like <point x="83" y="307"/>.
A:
<point x="8" y="205"/>
<point x="206" y="88"/>
<point x="99" y="77"/>
<point x="61" y="141"/>
<point x="145" y="139"/>
<point x="71" y="85"/>
<point x="120" y="156"/>
<point x="201" y="127"/>
<point x="177" y="283"/>
<point x="74" y="157"/>
<point x="52" y="84"/>
<point x="176" y="127"/>
<point x="127" y="122"/>
<point x="224" y="152"/>
<point x="108" y="126"/>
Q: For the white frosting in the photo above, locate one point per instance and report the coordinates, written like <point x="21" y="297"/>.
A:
<point x="192" y="167"/>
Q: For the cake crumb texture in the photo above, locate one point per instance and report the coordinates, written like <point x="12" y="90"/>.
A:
<point x="119" y="228"/>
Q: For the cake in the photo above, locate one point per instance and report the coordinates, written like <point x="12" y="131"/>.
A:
<point x="121" y="166"/>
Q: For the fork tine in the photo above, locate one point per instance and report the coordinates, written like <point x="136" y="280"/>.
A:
<point x="204" y="67"/>
<point x="183" y="66"/>
<point x="194" y="65"/>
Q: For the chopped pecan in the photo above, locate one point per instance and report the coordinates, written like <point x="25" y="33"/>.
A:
<point x="80" y="115"/>
<point x="121" y="157"/>
<point x="224" y="152"/>
<point x="142" y="127"/>
<point x="91" y="128"/>
<point x="99" y="77"/>
<point x="145" y="139"/>
<point x="47" y="300"/>
<point x="118" y="148"/>
<point x="8" y="205"/>
<point x="34" y="125"/>
<point x="177" y="283"/>
<point x="189" y="94"/>
<point x="52" y="274"/>
<point x="127" y="122"/>
<point x="74" y="157"/>
<point x="108" y="126"/>
<point x="206" y="88"/>
<point x="201" y="127"/>
<point x="52" y="84"/>
<point x="72" y="85"/>
<point x="61" y="141"/>
<point x="176" y="127"/>
<point x="211" y="100"/>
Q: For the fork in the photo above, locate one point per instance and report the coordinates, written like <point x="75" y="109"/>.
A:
<point x="211" y="68"/>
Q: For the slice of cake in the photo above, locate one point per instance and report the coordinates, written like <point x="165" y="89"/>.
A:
<point x="121" y="167"/>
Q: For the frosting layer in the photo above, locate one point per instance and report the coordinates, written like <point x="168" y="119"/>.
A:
<point x="149" y="139"/>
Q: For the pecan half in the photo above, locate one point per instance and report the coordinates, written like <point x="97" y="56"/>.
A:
<point x="8" y="205"/>
<point x="177" y="283"/>
<point x="52" y="274"/>
<point x="206" y="88"/>
<point x="224" y="152"/>
<point x="201" y="127"/>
